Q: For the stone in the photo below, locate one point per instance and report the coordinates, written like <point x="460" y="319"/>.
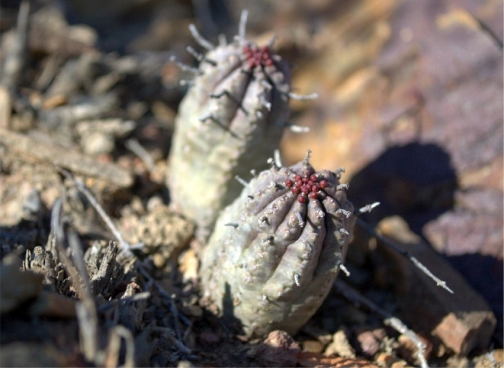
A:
<point x="278" y="350"/>
<point x="5" y="108"/>
<point x="368" y="344"/>
<point x="386" y="359"/>
<point x="312" y="346"/>
<point x="461" y="321"/>
<point x="340" y="346"/>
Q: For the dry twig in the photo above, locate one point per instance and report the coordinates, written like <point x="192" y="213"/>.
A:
<point x="71" y="160"/>
<point x="388" y="319"/>
<point x="125" y="246"/>
<point x="86" y="309"/>
<point x="405" y="253"/>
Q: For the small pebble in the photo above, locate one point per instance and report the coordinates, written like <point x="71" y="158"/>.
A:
<point x="278" y="350"/>
<point x="399" y="364"/>
<point x="340" y="346"/>
<point x="368" y="344"/>
<point x="386" y="359"/>
<point x="312" y="346"/>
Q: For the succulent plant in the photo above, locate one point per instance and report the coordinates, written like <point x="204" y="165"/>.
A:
<point x="230" y="122"/>
<point x="277" y="248"/>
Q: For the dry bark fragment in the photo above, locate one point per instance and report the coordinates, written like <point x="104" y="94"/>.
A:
<point x="72" y="160"/>
<point x="101" y="281"/>
<point x="43" y="262"/>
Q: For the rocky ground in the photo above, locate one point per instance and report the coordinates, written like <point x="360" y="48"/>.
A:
<point x="410" y="103"/>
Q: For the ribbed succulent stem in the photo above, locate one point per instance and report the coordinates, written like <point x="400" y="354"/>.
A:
<point x="275" y="262"/>
<point x="230" y="122"/>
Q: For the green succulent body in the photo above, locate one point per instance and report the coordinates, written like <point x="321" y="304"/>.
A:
<point x="276" y="249"/>
<point x="230" y="122"/>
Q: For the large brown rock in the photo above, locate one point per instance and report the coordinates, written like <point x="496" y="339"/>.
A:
<point x="461" y="321"/>
<point x="410" y="103"/>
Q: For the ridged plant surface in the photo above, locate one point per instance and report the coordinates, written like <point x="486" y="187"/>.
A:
<point x="230" y="122"/>
<point x="276" y="250"/>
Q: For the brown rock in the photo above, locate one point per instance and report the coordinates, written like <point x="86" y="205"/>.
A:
<point x="368" y="343"/>
<point x="399" y="364"/>
<point x="462" y="321"/>
<point x="278" y="350"/>
<point x="474" y="227"/>
<point x="312" y="346"/>
<point x="427" y="74"/>
<point x="498" y="355"/>
<point x="5" y="108"/>
<point x="386" y="359"/>
<point x="188" y="265"/>
<point x="340" y="346"/>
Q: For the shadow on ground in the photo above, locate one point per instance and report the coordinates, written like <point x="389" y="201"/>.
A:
<point x="417" y="182"/>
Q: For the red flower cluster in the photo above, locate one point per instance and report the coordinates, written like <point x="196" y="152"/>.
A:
<point x="306" y="186"/>
<point x="257" y="56"/>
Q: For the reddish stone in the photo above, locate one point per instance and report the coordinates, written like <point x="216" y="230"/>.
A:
<point x="461" y="321"/>
<point x="278" y="350"/>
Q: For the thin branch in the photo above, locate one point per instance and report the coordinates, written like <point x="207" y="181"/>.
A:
<point x="114" y="347"/>
<point x="388" y="319"/>
<point x="173" y="309"/>
<point x="405" y="253"/>
<point x="86" y="308"/>
<point x="167" y="333"/>
<point x="125" y="246"/>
